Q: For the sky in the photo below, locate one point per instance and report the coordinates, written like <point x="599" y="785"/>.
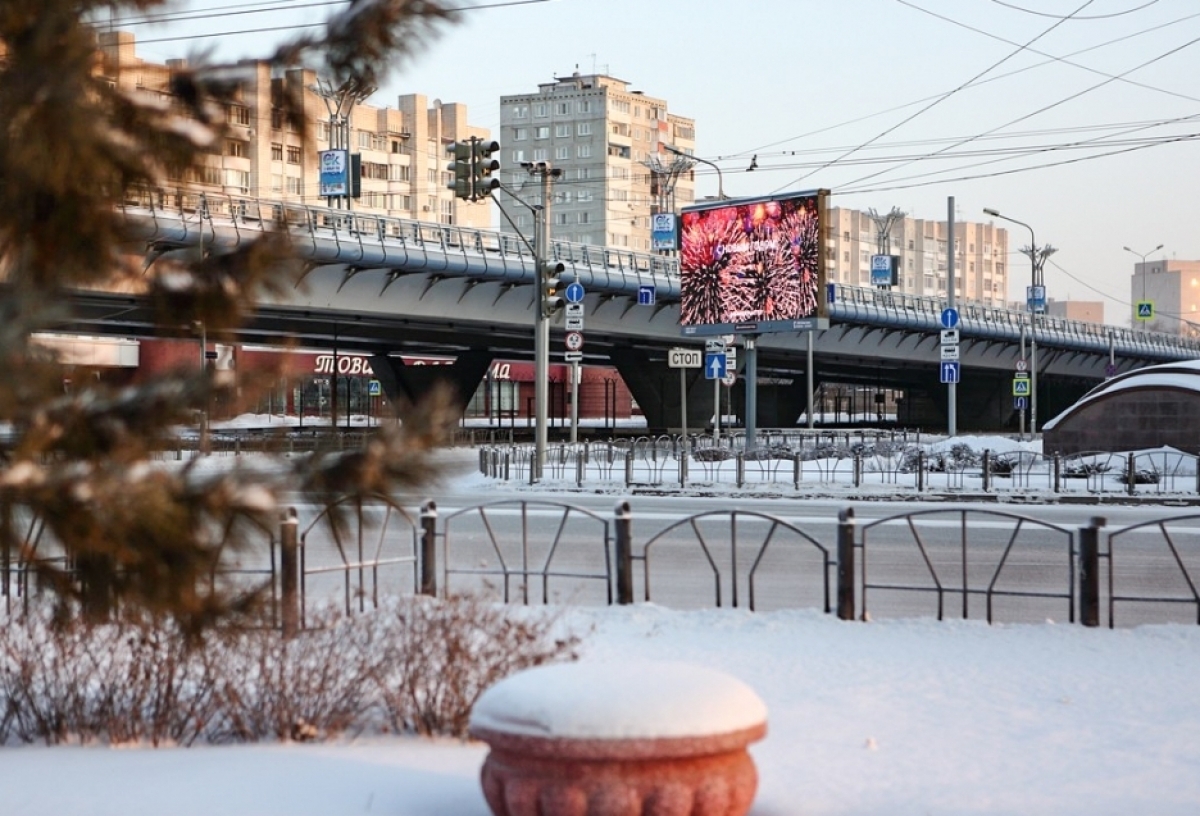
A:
<point x="856" y="97"/>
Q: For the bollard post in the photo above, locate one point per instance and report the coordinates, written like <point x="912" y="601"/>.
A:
<point x="629" y="467"/>
<point x="845" y="567"/>
<point x="623" y="527"/>
<point x="1089" y="572"/>
<point x="1130" y="476"/>
<point x="507" y="462"/>
<point x="1057" y="462"/>
<point x="920" y="471"/>
<point x="796" y="467"/>
<point x="858" y="465"/>
<point x="289" y="573"/>
<point x="429" y="548"/>
<point x="579" y="466"/>
<point x="987" y="470"/>
<point x="739" y="464"/>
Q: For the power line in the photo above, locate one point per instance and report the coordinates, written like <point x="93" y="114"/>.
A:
<point x="1015" y="7"/>
<point x="938" y="100"/>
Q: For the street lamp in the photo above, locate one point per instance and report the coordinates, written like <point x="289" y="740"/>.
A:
<point x="1037" y="260"/>
<point x="1143" y="255"/>
<point x="720" y="179"/>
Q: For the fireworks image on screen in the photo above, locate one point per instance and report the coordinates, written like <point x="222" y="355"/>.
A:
<point x="752" y="262"/>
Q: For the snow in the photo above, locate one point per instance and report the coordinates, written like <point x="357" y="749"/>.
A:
<point x="887" y="718"/>
<point x="629" y="699"/>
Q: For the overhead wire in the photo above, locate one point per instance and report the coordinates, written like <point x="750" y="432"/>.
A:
<point x="1108" y="16"/>
<point x="936" y="101"/>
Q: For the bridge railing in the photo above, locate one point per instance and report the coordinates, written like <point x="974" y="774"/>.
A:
<point x="606" y="269"/>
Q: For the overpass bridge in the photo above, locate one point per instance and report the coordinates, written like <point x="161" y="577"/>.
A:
<point x="389" y="286"/>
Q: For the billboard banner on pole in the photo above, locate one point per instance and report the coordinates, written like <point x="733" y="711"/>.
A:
<point x="752" y="265"/>
<point x="334" y="177"/>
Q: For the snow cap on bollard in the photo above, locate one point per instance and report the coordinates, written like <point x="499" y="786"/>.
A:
<point x="635" y="738"/>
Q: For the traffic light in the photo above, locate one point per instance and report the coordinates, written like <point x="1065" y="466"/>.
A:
<point x="552" y="286"/>
<point x="462" y="167"/>
<point x="484" y="166"/>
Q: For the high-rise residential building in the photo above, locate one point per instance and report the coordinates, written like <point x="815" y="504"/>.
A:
<point x="1089" y="311"/>
<point x="981" y="269"/>
<point x="604" y="138"/>
<point x="1172" y="288"/>
<point x="402" y="149"/>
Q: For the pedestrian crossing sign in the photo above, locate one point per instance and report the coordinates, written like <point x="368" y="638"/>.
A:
<point x="1021" y="388"/>
<point x="1145" y="310"/>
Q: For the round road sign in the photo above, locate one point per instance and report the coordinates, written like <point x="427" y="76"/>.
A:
<point x="574" y="341"/>
<point x="1022" y="365"/>
<point x="730" y="378"/>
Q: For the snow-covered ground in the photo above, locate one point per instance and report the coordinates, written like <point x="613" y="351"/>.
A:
<point x="893" y="717"/>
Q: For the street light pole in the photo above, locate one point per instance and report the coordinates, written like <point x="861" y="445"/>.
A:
<point x="1143" y="256"/>
<point x="1037" y="260"/>
<point x="720" y="179"/>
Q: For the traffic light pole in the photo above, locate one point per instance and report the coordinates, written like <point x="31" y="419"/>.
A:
<point x="541" y="325"/>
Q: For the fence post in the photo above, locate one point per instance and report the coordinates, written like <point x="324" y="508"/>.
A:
<point x="1089" y="571"/>
<point x="858" y="463"/>
<point x="845" y="568"/>
<point x="429" y="548"/>
<point x="623" y="526"/>
<point x="739" y="463"/>
<point x="796" y="467"/>
<point x="920" y="471"/>
<point x="629" y="467"/>
<point x="987" y="470"/>
<point x="579" y="467"/>
<point x="289" y="573"/>
<point x="1130" y="476"/>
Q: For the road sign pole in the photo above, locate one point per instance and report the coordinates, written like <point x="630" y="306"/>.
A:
<point x="575" y="402"/>
<point x="716" y="412"/>
<point x="751" y="391"/>
<point x="808" y="376"/>
<point x="683" y="407"/>
<point x="952" y="393"/>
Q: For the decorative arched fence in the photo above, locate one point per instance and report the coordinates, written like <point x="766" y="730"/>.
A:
<point x="968" y="562"/>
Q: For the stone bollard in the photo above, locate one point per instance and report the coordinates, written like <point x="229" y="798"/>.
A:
<point x="630" y="739"/>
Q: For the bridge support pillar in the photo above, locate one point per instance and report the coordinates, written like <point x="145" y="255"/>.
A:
<point x="405" y="384"/>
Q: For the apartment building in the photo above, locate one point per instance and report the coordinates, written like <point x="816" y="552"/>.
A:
<point x="981" y="253"/>
<point x="1173" y="289"/>
<point x="1089" y="311"/>
<point x="604" y="138"/>
<point x="402" y="149"/>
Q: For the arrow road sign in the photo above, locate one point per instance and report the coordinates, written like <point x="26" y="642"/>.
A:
<point x="574" y="292"/>
<point x="950" y="371"/>
<point x="949" y="318"/>
<point x="714" y="366"/>
<point x="646" y="295"/>
<point x="1020" y="403"/>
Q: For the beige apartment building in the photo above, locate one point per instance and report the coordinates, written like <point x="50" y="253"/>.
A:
<point x="604" y="138"/>
<point x="1173" y="290"/>
<point x="981" y="253"/>
<point x="1089" y="311"/>
<point x="402" y="149"/>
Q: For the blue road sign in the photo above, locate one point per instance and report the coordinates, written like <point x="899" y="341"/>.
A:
<point x="1145" y="310"/>
<point x="831" y="293"/>
<point x="646" y="295"/>
<point x="574" y="293"/>
<point x="714" y="366"/>
<point x="1020" y="403"/>
<point x="950" y="371"/>
<point x="949" y="321"/>
<point x="1021" y="388"/>
<point x="374" y="388"/>
<point x="1110" y="370"/>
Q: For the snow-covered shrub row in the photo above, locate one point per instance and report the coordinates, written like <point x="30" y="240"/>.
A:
<point x="416" y="666"/>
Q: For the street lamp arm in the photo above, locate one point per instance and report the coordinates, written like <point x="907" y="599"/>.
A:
<point x="720" y="178"/>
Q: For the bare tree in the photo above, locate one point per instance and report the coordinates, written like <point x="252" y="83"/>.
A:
<point x="71" y="147"/>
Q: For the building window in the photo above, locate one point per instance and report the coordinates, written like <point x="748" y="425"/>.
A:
<point x="583" y="129"/>
<point x="541" y="110"/>
<point x="539" y="155"/>
<point x="518" y="156"/>
<point x="235" y="148"/>
<point x="276" y="119"/>
<point x="520" y="134"/>
<point x="238" y="179"/>
<point x="562" y="131"/>
<point x="520" y="111"/>
<point x="562" y="152"/>
<point x="560" y="219"/>
<point x="239" y="115"/>
<point x="562" y="108"/>
<point x="295" y="185"/>
<point x="293" y="154"/>
<point x="583" y="218"/>
<point x="583" y="195"/>
<point x="398" y="172"/>
<point x="541" y="132"/>
<point x="585" y="106"/>
<point x="583" y="172"/>
<point x="276" y="151"/>
<point x="364" y="139"/>
<point x="583" y="151"/>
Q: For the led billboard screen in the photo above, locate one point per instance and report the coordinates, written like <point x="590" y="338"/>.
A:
<point x="752" y="265"/>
